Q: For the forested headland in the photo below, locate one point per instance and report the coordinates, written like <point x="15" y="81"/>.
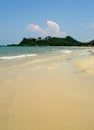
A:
<point x="52" y="41"/>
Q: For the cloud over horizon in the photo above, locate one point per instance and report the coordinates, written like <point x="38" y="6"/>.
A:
<point x="52" y="29"/>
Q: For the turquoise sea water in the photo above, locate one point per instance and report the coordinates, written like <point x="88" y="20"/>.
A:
<point x="18" y="56"/>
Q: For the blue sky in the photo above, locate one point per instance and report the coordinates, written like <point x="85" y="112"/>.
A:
<point x="33" y="18"/>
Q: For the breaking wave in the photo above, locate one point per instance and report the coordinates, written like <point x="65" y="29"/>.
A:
<point x="16" y="56"/>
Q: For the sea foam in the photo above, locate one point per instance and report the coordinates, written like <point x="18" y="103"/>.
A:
<point x="66" y="51"/>
<point x="16" y="56"/>
<point x="62" y="51"/>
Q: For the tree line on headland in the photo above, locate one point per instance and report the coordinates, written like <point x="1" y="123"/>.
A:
<point x="52" y="41"/>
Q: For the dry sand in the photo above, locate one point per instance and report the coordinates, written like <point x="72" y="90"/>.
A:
<point x="52" y="97"/>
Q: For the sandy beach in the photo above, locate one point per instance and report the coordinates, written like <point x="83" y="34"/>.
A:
<point x="54" y="96"/>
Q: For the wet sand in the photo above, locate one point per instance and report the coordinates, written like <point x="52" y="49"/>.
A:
<point x="55" y="96"/>
<point x="87" y="65"/>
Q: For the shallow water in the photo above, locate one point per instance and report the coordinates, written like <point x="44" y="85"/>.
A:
<point x="17" y="56"/>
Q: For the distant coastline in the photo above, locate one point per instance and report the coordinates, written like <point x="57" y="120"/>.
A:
<point x="52" y="41"/>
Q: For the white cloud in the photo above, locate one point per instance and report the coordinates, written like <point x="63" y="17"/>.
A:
<point x="52" y="29"/>
<point x="35" y="28"/>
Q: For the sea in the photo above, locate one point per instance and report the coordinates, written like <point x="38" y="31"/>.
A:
<point x="11" y="57"/>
